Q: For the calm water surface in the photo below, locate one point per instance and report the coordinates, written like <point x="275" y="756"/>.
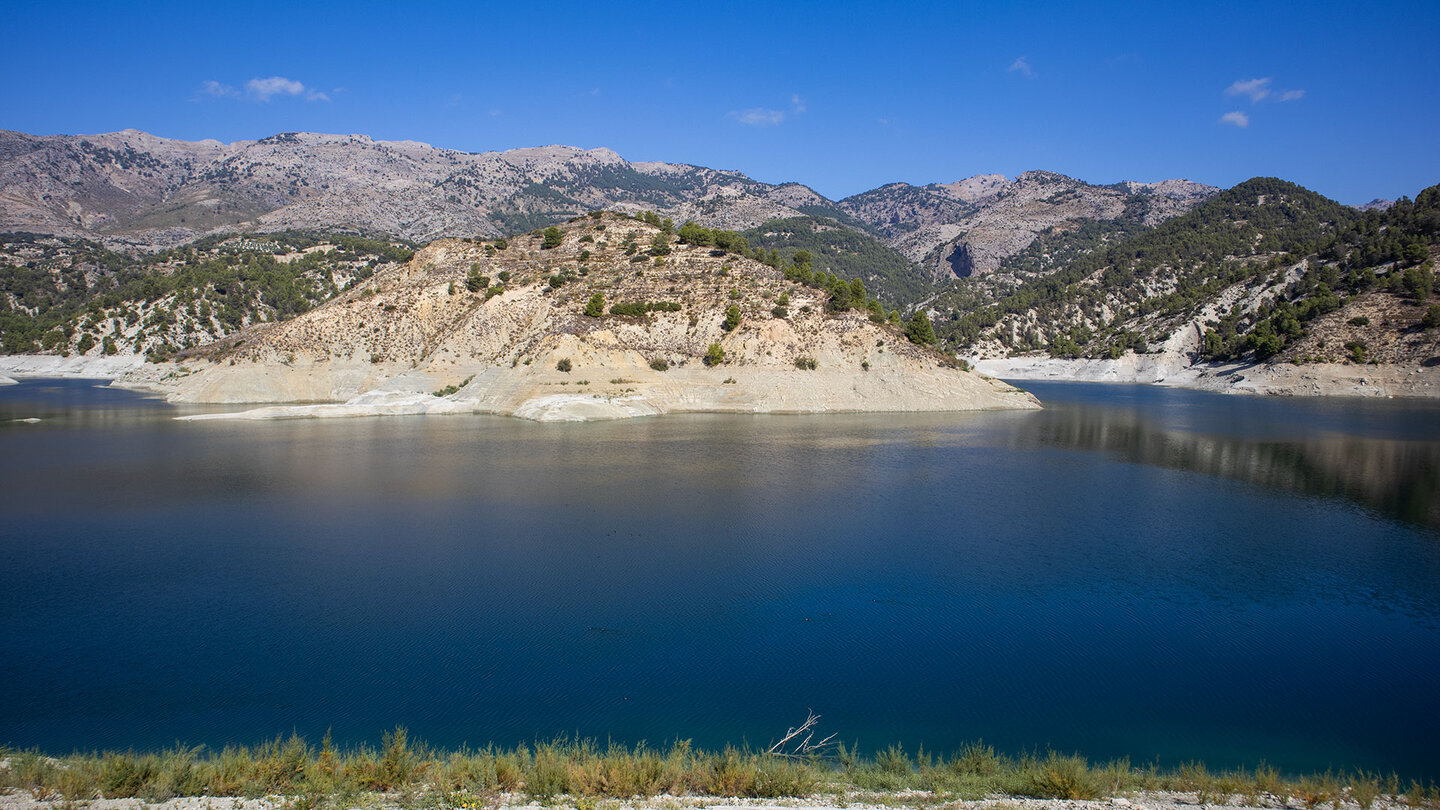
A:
<point x="1134" y="571"/>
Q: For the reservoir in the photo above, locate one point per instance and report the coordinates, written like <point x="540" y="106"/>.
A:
<point x="1134" y="571"/>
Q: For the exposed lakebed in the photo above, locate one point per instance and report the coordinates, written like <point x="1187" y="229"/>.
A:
<point x="1133" y="571"/>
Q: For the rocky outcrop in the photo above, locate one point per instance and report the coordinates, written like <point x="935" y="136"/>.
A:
<point x="417" y="339"/>
<point x="968" y="227"/>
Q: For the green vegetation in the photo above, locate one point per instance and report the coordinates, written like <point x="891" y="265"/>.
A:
<point x="844" y="295"/>
<point x="474" y="281"/>
<point x="1090" y="286"/>
<point x="583" y="772"/>
<point x="732" y="318"/>
<point x="846" y="251"/>
<point x="553" y="238"/>
<point x="714" y="355"/>
<point x="595" y="307"/>
<point x="563" y="365"/>
<point x="453" y="388"/>
<point x="660" y="364"/>
<point x="806" y="363"/>
<point x="636" y="309"/>
<point x="1432" y="317"/>
<point x="919" y="330"/>
<point x="727" y="241"/>
<point x="162" y="301"/>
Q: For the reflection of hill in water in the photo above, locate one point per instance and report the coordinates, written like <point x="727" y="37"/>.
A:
<point x="1399" y="478"/>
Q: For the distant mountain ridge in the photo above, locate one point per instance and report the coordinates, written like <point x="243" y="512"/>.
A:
<point x="131" y="188"/>
<point x="967" y="228"/>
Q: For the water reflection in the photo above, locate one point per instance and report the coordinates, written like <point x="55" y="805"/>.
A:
<point x="1397" y="477"/>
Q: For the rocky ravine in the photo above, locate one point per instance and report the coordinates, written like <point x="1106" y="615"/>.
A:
<point x="411" y="332"/>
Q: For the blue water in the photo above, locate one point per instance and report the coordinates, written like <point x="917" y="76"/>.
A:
<point x="1132" y="572"/>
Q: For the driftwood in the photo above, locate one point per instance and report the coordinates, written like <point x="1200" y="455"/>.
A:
<point x="799" y="742"/>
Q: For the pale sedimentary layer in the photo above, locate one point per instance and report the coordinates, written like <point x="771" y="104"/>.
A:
<point x="1286" y="379"/>
<point x="595" y="392"/>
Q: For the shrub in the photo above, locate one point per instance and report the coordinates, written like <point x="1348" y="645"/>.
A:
<point x="553" y="238"/>
<point x="806" y="363"/>
<point x="501" y="244"/>
<point x="1432" y="317"/>
<point x="779" y="311"/>
<point x="474" y="282"/>
<point x="638" y="308"/>
<point x="596" y="306"/>
<point x="549" y="775"/>
<point x="563" y="365"/>
<point x="732" y="317"/>
<point x="660" y="364"/>
<point x="1060" y="777"/>
<point x="714" y="355"/>
<point x="504" y="276"/>
<point x="1359" y="320"/>
<point x="919" y="329"/>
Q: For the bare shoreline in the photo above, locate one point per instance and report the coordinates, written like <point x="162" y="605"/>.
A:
<point x="1275" y="379"/>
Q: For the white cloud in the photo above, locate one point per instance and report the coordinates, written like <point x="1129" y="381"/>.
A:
<point x="1256" y="89"/>
<point x="758" y="117"/>
<point x="214" y="88"/>
<point x="263" y="89"/>
<point x="1236" y="118"/>
<point x="259" y="89"/>
<point x="763" y="117"/>
<point x="1290" y="95"/>
<point x="1022" y="66"/>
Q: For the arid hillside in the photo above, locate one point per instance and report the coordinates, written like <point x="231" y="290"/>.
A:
<point x="606" y="316"/>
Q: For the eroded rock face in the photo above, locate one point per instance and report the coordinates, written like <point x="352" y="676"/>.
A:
<point x="968" y="227"/>
<point x="416" y="339"/>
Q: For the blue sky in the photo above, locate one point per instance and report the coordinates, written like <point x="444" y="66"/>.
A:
<point x="1343" y="98"/>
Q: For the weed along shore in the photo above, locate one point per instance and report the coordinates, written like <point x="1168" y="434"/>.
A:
<point x="292" y="774"/>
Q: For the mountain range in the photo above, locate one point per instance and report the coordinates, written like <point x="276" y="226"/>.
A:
<point x="131" y="189"/>
<point x="128" y="244"/>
